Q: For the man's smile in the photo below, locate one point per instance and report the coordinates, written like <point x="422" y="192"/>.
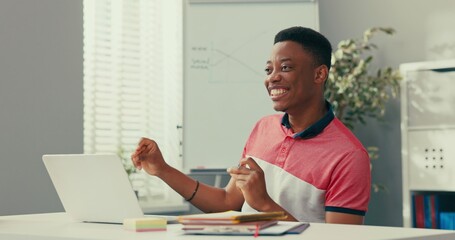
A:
<point x="277" y="93"/>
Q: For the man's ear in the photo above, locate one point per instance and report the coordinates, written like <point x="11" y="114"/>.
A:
<point x="321" y="74"/>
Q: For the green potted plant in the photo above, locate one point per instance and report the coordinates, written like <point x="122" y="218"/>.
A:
<point x="126" y="161"/>
<point x="137" y="180"/>
<point x="355" y="91"/>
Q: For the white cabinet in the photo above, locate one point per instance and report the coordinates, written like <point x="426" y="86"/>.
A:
<point x="428" y="133"/>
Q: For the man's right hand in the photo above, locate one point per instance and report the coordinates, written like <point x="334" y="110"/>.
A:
<point x="148" y="157"/>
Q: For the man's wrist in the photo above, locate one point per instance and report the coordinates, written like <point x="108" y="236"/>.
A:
<point x="164" y="172"/>
<point x="268" y="206"/>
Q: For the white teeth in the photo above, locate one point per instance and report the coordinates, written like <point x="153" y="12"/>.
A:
<point x="276" y="92"/>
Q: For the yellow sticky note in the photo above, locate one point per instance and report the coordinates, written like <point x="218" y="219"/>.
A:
<point x="145" y="224"/>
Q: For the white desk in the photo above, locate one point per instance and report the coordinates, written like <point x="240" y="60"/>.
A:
<point x="53" y="226"/>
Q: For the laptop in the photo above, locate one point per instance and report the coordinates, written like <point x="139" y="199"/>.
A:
<point x="93" y="187"/>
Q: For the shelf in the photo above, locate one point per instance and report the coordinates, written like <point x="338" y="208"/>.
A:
<point x="427" y="135"/>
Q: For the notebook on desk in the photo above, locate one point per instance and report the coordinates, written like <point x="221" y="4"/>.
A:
<point x="93" y="187"/>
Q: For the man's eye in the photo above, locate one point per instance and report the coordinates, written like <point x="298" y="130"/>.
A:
<point x="285" y="68"/>
<point x="268" y="70"/>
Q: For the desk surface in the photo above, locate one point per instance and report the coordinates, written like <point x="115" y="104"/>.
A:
<point x="52" y="226"/>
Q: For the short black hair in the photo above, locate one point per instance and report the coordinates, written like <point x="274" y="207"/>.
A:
<point x="311" y="41"/>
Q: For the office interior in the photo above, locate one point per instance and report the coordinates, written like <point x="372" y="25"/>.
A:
<point x="41" y="100"/>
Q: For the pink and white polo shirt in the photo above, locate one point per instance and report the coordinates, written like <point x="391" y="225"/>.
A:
<point x="324" y="168"/>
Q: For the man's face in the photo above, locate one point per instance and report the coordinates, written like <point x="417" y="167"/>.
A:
<point x="290" y="78"/>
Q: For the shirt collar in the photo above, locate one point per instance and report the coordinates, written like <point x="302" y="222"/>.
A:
<point x="316" y="128"/>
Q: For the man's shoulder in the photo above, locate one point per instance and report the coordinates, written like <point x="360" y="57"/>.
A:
<point x="271" y="119"/>
<point x="345" y="134"/>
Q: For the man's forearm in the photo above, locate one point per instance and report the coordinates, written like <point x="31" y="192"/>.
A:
<point x="206" y="198"/>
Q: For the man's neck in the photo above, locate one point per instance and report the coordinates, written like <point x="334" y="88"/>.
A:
<point x="300" y="121"/>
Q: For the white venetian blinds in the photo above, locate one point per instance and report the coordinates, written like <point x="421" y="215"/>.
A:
<point x="133" y="75"/>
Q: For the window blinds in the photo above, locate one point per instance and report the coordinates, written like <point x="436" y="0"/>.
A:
<point x="133" y="78"/>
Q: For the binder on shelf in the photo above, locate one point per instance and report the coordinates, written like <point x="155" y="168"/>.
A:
<point x="447" y="220"/>
<point x="419" y="211"/>
<point x="434" y="211"/>
<point x="427" y="208"/>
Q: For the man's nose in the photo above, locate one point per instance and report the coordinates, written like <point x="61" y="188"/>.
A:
<point x="274" y="77"/>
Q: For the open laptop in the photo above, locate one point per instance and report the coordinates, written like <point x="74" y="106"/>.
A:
<point x="93" y="187"/>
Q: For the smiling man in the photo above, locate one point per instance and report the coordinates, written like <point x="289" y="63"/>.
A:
<point x="304" y="162"/>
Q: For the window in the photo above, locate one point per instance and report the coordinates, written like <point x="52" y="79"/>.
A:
<point x="133" y="82"/>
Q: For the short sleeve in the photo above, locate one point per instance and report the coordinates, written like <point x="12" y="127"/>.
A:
<point x="350" y="184"/>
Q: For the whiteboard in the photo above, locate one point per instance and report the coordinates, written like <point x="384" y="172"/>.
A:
<point x="226" y="46"/>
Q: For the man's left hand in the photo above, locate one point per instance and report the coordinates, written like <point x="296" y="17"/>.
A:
<point x="249" y="178"/>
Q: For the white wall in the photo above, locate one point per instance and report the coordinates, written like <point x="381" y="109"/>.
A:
<point x="40" y="97"/>
<point x="424" y="32"/>
<point x="224" y="93"/>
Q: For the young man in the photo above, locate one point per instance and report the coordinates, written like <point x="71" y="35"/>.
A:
<point x="304" y="162"/>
